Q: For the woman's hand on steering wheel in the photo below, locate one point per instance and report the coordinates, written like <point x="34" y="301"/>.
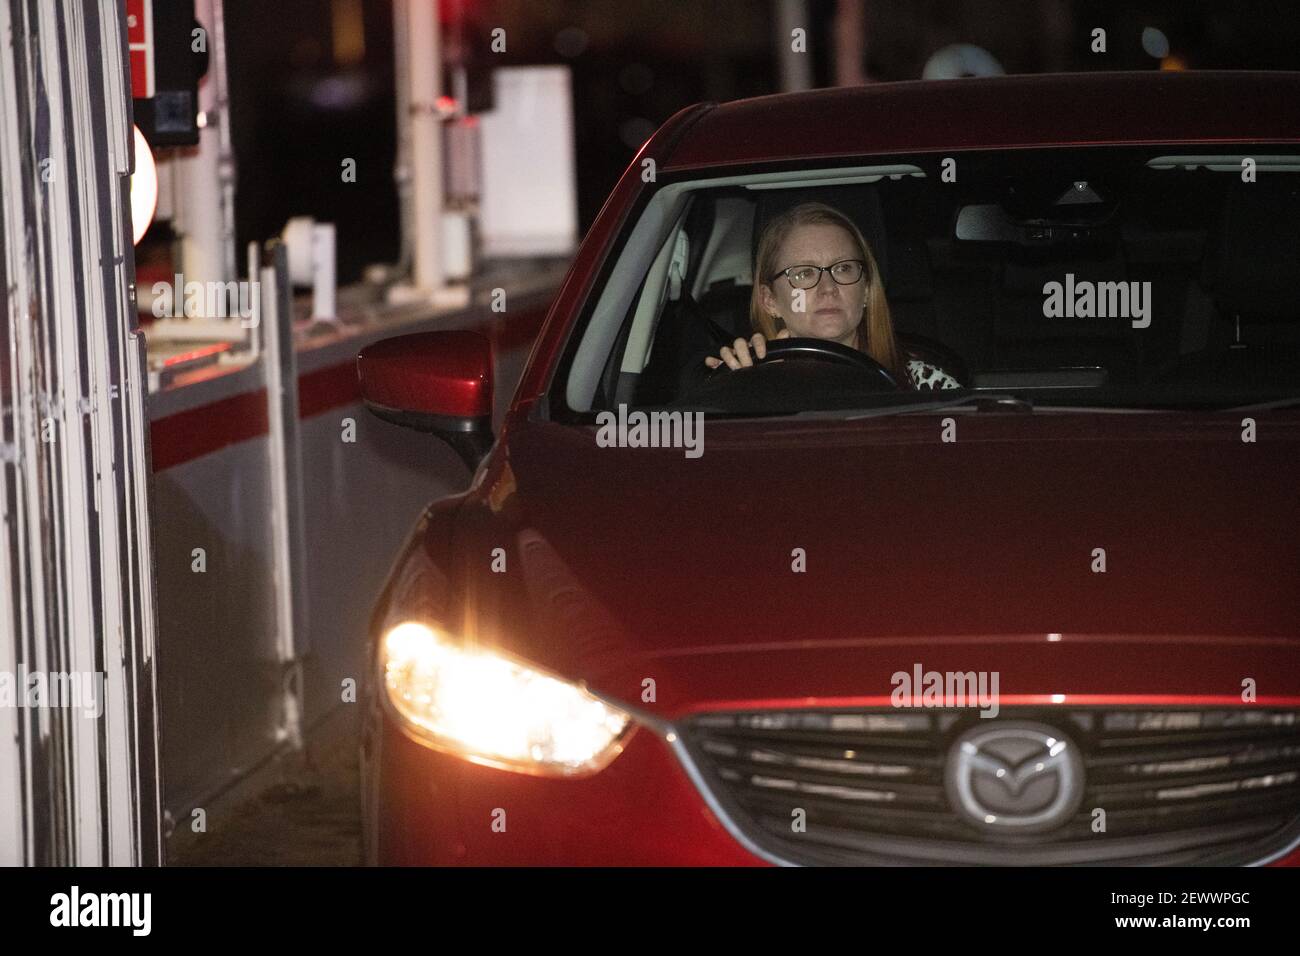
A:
<point x="738" y="354"/>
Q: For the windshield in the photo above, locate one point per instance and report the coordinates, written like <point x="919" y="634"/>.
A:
<point x="1133" y="278"/>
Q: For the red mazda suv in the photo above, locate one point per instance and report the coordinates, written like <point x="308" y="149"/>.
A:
<point x="815" y="611"/>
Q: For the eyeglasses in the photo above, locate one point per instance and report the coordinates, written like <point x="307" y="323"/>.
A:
<point x="844" y="272"/>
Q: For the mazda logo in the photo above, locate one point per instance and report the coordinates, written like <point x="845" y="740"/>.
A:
<point x="1014" y="777"/>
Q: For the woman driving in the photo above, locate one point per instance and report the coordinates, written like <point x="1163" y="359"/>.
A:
<point x="815" y="277"/>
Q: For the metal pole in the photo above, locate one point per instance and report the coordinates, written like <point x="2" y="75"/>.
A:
<point x="402" y="163"/>
<point x="285" y="449"/>
<point x="225" y="147"/>
<point x="205" y="174"/>
<point x="850" y="40"/>
<point x="795" y="69"/>
<point x="424" y="67"/>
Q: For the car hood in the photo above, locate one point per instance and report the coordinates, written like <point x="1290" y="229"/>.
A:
<point x="811" y="561"/>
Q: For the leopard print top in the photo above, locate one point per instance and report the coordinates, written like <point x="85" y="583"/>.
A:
<point x="926" y="377"/>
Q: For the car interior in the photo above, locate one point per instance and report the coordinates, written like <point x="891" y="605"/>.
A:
<point x="965" y="265"/>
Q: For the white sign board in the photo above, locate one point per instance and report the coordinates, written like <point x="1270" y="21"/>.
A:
<point x="528" y="204"/>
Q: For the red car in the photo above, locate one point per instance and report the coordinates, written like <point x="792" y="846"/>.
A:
<point x="812" y="610"/>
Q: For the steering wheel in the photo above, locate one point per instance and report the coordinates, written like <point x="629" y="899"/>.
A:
<point x="818" y="350"/>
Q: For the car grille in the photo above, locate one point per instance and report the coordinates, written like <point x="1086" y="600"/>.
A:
<point x="1177" y="786"/>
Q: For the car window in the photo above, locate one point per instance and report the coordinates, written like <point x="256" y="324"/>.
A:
<point x="1111" y="277"/>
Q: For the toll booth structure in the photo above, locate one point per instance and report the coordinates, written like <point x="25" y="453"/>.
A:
<point x="216" y="512"/>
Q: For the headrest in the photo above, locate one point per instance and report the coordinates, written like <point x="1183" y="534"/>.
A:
<point x="859" y="202"/>
<point x="1251" y="267"/>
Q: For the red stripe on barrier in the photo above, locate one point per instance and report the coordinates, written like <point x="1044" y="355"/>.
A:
<point x="191" y="434"/>
<point x="200" y="431"/>
<point x="327" y="388"/>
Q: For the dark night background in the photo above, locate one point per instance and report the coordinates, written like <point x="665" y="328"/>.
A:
<point x="311" y="81"/>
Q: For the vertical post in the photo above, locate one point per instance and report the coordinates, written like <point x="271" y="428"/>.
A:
<point x="288" y="539"/>
<point x="424" y="69"/>
<point x="795" y="69"/>
<point x="402" y="162"/>
<point x="205" y="175"/>
<point x="850" y="42"/>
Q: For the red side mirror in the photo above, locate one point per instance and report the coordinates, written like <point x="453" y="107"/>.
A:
<point x="438" y="382"/>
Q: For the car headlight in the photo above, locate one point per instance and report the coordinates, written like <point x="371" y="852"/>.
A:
<point x="492" y="710"/>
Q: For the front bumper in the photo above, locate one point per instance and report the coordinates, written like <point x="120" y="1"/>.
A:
<point x="649" y="807"/>
<point x="433" y="808"/>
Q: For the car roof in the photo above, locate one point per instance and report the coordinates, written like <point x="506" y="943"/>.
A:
<point x="992" y="113"/>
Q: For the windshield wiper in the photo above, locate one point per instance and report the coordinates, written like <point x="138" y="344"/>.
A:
<point x="1287" y="402"/>
<point x="967" y="403"/>
<point x="1000" y="403"/>
<point x="978" y="403"/>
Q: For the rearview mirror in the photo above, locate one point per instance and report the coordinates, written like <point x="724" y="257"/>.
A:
<point x="1068" y="224"/>
<point x="985" y="222"/>
<point x="439" y="382"/>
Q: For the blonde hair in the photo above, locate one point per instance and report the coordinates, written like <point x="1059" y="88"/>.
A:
<point x="875" y="333"/>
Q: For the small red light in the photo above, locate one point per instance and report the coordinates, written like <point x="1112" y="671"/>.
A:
<point x="201" y="352"/>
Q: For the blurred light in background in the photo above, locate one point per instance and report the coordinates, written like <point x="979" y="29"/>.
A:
<point x="349" y="32"/>
<point x="1155" y="43"/>
<point x="340" y="92"/>
<point x="961" y="59"/>
<point x="144" y="188"/>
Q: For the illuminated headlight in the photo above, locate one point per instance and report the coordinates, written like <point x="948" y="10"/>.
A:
<point x="494" y="711"/>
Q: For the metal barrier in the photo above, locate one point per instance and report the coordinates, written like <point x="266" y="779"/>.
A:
<point x="78" y="767"/>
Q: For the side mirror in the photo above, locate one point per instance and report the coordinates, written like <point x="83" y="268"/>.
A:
<point x="439" y="382"/>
